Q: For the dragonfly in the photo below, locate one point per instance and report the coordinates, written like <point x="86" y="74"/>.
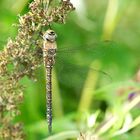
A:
<point x="50" y="52"/>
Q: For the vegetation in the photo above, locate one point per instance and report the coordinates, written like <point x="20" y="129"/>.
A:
<point x="96" y="91"/>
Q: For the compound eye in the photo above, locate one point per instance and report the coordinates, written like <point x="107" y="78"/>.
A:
<point x="52" y="33"/>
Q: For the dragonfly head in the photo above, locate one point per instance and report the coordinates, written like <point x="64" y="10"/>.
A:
<point x="50" y="35"/>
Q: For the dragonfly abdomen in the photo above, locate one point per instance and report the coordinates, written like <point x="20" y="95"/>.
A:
<point x="49" y="96"/>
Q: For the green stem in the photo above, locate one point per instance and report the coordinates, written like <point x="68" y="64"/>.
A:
<point x="87" y="93"/>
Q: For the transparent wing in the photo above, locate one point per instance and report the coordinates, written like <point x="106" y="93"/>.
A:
<point x="75" y="76"/>
<point x="74" y="65"/>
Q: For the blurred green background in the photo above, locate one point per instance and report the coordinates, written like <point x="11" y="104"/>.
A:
<point x="74" y="106"/>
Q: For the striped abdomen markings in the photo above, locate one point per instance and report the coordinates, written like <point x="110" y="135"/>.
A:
<point x="49" y="96"/>
<point x="49" y="61"/>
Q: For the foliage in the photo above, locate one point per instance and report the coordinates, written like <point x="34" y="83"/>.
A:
<point x="21" y="55"/>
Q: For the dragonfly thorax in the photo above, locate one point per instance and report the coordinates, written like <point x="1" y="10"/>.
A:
<point x="51" y="52"/>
